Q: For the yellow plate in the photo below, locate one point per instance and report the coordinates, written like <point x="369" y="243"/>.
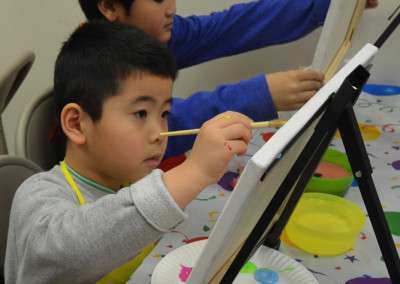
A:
<point x="325" y="224"/>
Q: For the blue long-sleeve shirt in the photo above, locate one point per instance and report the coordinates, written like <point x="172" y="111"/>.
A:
<point x="242" y="27"/>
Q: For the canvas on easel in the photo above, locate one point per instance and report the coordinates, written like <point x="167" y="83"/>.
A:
<point x="260" y="181"/>
<point x="337" y="35"/>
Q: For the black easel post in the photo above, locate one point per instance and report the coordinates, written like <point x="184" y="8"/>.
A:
<point x="362" y="171"/>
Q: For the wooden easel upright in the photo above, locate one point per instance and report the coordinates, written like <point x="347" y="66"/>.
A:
<point x="347" y="42"/>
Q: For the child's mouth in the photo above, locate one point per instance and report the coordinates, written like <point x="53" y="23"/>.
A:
<point x="168" y="26"/>
<point x="153" y="161"/>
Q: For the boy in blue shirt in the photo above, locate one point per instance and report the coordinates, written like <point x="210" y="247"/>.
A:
<point x="74" y="223"/>
<point x="242" y="27"/>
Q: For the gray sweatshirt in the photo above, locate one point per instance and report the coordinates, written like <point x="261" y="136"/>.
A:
<point x="53" y="239"/>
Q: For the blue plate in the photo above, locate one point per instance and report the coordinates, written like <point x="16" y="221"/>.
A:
<point x="381" y="90"/>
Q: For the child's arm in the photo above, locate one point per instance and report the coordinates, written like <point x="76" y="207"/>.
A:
<point x="244" y="27"/>
<point x="54" y="240"/>
<point x="254" y="97"/>
<point x="218" y="141"/>
<point x="250" y="97"/>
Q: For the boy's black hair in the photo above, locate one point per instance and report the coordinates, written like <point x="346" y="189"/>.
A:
<point x="97" y="59"/>
<point x="92" y="12"/>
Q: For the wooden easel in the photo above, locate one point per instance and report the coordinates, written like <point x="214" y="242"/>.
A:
<point x="346" y="44"/>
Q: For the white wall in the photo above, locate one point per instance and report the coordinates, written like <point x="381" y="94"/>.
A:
<point x="43" y="24"/>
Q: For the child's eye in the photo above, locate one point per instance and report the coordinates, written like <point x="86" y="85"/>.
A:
<point x="165" y="114"/>
<point x="141" y="114"/>
<point x="158" y="1"/>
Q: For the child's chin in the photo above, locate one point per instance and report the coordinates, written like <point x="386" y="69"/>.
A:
<point x="139" y="175"/>
<point x="148" y="171"/>
<point x="166" y="37"/>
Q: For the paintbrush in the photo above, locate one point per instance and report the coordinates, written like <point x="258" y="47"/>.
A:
<point x="260" y="124"/>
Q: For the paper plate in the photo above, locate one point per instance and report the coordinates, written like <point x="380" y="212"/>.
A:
<point x="176" y="266"/>
<point x="267" y="266"/>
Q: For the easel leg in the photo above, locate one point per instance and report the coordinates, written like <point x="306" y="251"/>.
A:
<point x="362" y="171"/>
<point x="316" y="151"/>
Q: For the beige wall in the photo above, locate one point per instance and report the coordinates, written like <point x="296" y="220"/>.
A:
<point x="39" y="25"/>
<point x="387" y="63"/>
<point x="206" y="76"/>
<point x="43" y="24"/>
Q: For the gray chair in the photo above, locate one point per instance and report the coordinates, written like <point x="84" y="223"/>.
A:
<point x="37" y="137"/>
<point x="10" y="80"/>
<point x="13" y="171"/>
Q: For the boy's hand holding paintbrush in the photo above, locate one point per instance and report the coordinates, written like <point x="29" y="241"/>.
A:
<point x="218" y="140"/>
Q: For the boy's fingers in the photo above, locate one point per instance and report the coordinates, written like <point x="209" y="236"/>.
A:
<point x="303" y="97"/>
<point x="299" y="99"/>
<point x="229" y="118"/>
<point x="296" y="106"/>
<point x="237" y="147"/>
<point x="310" y="85"/>
<point x="237" y="132"/>
<point x="310" y="74"/>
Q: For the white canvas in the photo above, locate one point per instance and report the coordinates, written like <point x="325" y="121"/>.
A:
<point x="250" y="196"/>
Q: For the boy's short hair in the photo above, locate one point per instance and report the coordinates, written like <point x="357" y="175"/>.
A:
<point x="98" y="57"/>
<point x="92" y="12"/>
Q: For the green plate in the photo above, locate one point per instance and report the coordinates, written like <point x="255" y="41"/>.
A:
<point x="337" y="187"/>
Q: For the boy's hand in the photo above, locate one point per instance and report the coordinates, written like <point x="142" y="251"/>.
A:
<point x="291" y="89"/>
<point x="219" y="140"/>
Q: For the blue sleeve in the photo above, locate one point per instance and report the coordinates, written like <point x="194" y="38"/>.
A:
<point x="244" y="27"/>
<point x="250" y="97"/>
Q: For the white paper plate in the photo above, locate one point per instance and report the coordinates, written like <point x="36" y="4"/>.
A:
<point x="267" y="265"/>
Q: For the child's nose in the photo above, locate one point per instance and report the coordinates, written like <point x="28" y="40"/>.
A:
<point x="171" y="10"/>
<point x="156" y="129"/>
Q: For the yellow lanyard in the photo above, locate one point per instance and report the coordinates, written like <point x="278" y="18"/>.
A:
<point x="70" y="180"/>
<point x="123" y="273"/>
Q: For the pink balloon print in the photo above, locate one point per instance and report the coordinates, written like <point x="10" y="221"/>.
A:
<point x="185" y="273"/>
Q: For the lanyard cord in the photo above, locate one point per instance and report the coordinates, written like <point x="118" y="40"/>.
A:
<point x="70" y="180"/>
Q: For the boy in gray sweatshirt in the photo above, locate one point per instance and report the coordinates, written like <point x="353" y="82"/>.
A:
<point x="97" y="214"/>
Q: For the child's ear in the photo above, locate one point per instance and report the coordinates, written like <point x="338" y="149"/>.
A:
<point x="73" y="123"/>
<point x="111" y="10"/>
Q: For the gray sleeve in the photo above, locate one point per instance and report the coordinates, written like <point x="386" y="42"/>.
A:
<point x="58" y="241"/>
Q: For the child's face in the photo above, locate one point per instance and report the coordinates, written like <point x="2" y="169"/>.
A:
<point x="155" y="17"/>
<point x="125" y="144"/>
